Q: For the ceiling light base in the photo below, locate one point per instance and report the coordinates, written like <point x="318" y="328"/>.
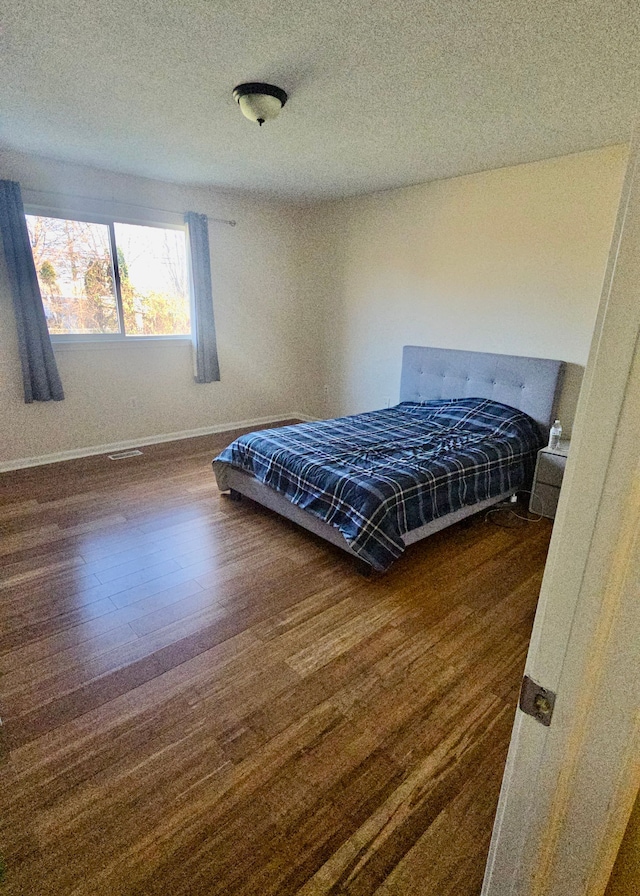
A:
<point x="258" y="101"/>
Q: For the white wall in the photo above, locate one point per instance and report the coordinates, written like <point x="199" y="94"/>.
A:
<point x="266" y="335"/>
<point x="313" y="305"/>
<point x="508" y="261"/>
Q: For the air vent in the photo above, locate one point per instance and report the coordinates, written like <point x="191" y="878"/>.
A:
<point x="124" y="454"/>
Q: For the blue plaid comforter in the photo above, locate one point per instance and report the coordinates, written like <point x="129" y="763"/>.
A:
<point x="376" y="476"/>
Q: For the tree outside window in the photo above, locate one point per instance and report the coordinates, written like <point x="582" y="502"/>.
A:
<point x="88" y="289"/>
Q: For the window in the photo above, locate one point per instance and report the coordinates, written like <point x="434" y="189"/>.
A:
<point x="111" y="280"/>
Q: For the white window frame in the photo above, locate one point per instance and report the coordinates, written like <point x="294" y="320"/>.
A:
<point x="110" y="220"/>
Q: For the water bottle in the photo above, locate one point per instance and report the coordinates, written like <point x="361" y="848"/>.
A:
<point x="555" y="435"/>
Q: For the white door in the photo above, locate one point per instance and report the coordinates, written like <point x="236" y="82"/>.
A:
<point x="568" y="789"/>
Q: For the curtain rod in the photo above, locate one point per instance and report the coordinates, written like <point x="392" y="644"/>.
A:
<point x="147" y="208"/>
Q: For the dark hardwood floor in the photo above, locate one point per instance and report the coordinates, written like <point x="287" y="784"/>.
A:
<point x="200" y="698"/>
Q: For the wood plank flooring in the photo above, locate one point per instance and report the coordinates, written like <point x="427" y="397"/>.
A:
<point x="200" y="698"/>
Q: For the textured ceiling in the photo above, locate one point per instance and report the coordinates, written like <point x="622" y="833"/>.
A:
<point x="382" y="93"/>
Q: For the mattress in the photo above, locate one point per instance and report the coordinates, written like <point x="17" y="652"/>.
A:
<point x="377" y="476"/>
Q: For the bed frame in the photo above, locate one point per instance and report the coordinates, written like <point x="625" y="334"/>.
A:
<point x="530" y="384"/>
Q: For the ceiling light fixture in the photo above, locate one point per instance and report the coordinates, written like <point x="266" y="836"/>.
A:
<point x="259" y="102"/>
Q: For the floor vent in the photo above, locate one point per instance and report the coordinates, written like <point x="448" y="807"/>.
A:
<point x="122" y="454"/>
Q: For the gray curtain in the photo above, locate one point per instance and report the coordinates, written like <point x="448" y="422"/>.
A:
<point x="207" y="369"/>
<point x="39" y="370"/>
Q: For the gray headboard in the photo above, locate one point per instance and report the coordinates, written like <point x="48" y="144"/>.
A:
<point x="530" y="384"/>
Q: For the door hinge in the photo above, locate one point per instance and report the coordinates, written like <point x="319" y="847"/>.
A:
<point x="536" y="701"/>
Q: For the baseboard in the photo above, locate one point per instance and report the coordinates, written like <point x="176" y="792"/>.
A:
<point x="24" y="462"/>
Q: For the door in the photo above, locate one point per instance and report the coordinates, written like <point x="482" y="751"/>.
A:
<point x="568" y="789"/>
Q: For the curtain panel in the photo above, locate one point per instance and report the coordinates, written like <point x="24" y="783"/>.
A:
<point x="207" y="369"/>
<point x="39" y="369"/>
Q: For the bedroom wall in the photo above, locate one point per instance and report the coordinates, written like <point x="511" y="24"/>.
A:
<point x="508" y="261"/>
<point x="313" y="305"/>
<point x="266" y="336"/>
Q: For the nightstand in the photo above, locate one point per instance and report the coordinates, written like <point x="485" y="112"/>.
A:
<point x="547" y="479"/>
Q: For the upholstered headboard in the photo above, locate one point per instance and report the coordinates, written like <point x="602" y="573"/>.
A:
<point x="530" y="384"/>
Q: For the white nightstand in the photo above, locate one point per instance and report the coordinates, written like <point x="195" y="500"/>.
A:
<point x="547" y="479"/>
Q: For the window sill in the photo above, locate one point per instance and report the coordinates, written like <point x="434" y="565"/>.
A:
<point x="81" y="345"/>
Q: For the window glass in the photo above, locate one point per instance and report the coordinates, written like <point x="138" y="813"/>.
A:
<point x="153" y="280"/>
<point x="75" y="272"/>
<point x="143" y="291"/>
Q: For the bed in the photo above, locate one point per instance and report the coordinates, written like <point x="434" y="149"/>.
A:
<point x="463" y="438"/>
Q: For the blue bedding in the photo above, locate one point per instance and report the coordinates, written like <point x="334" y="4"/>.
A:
<point x="378" y="475"/>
